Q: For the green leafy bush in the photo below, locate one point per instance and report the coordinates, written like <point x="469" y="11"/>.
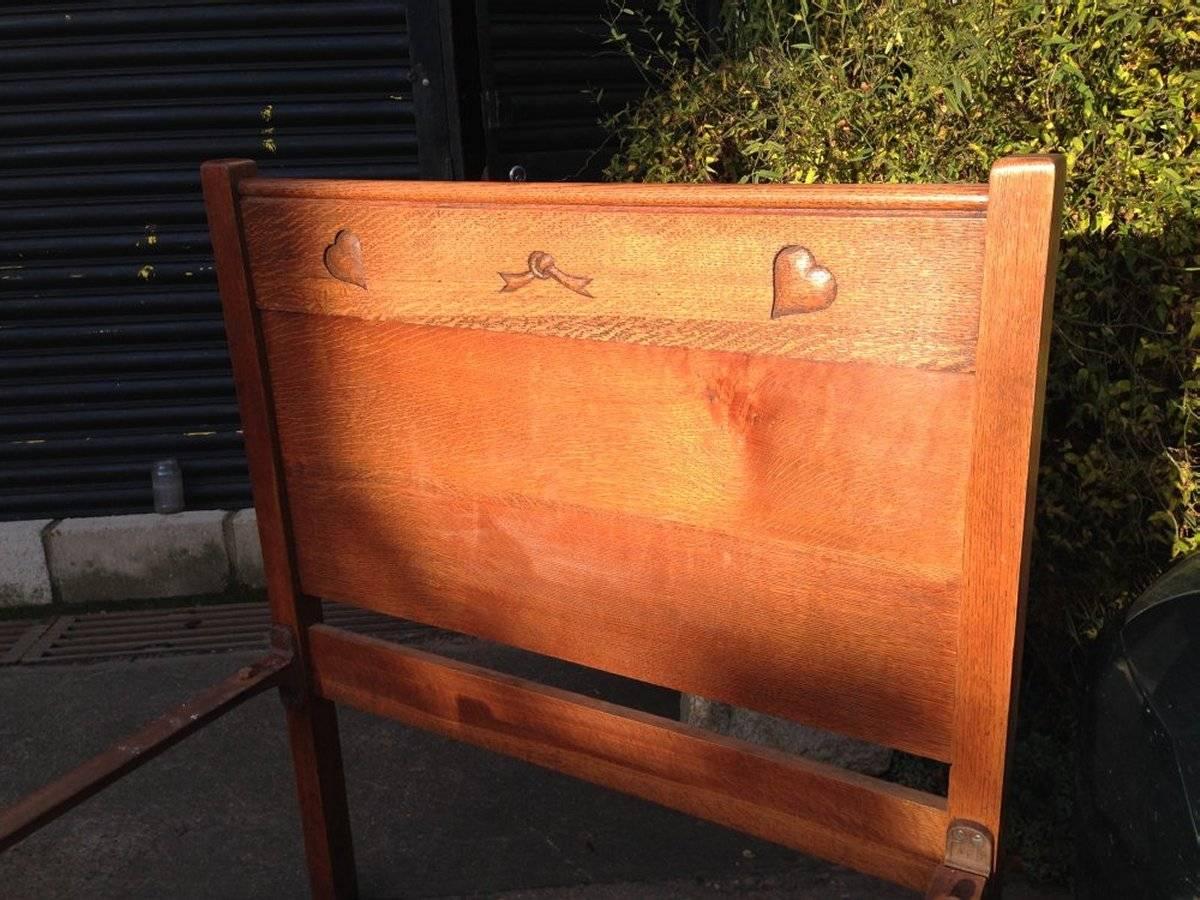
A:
<point x="936" y="90"/>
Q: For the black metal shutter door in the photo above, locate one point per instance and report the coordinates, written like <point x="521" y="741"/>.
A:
<point x="112" y="350"/>
<point x="550" y="78"/>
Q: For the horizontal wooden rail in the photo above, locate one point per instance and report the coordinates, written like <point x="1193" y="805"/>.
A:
<point x="969" y="199"/>
<point x="874" y="826"/>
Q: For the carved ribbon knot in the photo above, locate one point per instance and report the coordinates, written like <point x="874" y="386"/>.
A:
<point x="541" y="265"/>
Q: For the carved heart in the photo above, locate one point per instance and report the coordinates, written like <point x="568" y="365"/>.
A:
<point x="343" y="259"/>
<point x="801" y="285"/>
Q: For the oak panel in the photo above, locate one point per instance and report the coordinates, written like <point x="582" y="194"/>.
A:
<point x="862" y="459"/>
<point x="544" y="492"/>
<point x="835" y="641"/>
<point x="840" y="642"/>
<point x="907" y="284"/>
<point x="877" y="827"/>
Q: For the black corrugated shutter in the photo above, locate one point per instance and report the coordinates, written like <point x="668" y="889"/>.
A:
<point x="112" y="351"/>
<point x="550" y="76"/>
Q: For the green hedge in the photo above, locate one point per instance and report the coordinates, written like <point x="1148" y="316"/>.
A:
<point x="936" y="90"/>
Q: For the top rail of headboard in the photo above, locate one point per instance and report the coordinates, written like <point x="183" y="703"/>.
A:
<point x="970" y="199"/>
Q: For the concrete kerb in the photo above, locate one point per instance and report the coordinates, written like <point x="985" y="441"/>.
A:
<point x="245" y="551"/>
<point x="106" y="559"/>
<point x="24" y="573"/>
<point x="111" y="559"/>
<point x="783" y="734"/>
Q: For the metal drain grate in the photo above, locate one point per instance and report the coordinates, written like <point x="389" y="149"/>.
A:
<point x="16" y="637"/>
<point x="92" y="637"/>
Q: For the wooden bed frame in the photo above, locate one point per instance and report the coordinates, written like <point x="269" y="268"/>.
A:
<point x="775" y="446"/>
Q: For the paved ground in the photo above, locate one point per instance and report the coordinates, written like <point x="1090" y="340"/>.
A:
<point x="215" y="817"/>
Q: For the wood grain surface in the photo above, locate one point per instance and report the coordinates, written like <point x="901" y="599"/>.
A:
<point x="562" y="417"/>
<point x="968" y="199"/>
<point x="1018" y="291"/>
<point x="831" y="640"/>
<point x="874" y="826"/>
<point x="311" y="721"/>
<point x="908" y="285"/>
<point x="543" y="492"/>
<point x="863" y="459"/>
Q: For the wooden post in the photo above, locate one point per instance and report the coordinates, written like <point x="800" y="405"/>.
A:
<point x="312" y="721"/>
<point x="1020" y="264"/>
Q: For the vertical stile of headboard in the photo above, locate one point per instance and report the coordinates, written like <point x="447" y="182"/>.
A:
<point x="1020" y="265"/>
<point x="312" y="720"/>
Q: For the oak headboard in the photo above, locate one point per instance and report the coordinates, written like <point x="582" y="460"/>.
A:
<point x="771" y="445"/>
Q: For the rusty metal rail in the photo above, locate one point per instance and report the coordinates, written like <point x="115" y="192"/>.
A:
<point x="47" y="803"/>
